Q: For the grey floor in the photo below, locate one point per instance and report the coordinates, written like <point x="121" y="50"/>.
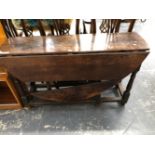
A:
<point x="137" y="117"/>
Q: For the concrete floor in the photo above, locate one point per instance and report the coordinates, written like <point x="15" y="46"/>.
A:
<point x="137" y="117"/>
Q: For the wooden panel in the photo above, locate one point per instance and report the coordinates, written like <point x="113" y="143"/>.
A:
<point x="76" y="93"/>
<point x="73" y="67"/>
<point x="5" y="94"/>
<point x="86" y="43"/>
<point x="9" y="97"/>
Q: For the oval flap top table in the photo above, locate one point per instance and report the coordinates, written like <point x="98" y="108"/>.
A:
<point x="102" y="60"/>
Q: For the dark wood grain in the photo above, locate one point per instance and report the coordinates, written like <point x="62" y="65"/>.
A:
<point x="73" y="67"/>
<point x="86" y="43"/>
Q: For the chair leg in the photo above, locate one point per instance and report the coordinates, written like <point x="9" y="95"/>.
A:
<point x="126" y="93"/>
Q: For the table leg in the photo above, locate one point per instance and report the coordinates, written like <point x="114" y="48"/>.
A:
<point x="126" y="93"/>
<point x="23" y="90"/>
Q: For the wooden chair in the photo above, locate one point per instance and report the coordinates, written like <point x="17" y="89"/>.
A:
<point x="56" y="27"/>
<point x="91" y="23"/>
<point x="110" y="25"/>
<point x="131" y="23"/>
<point x="107" y="25"/>
<point x="114" y="25"/>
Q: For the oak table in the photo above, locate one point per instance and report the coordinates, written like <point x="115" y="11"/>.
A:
<point x="78" y="67"/>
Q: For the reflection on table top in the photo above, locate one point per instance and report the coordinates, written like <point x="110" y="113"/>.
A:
<point x="83" y="43"/>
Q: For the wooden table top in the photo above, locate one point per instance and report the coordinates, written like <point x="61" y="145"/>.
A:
<point x="83" y="43"/>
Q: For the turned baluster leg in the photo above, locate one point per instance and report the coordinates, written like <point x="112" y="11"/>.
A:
<point x="126" y="93"/>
